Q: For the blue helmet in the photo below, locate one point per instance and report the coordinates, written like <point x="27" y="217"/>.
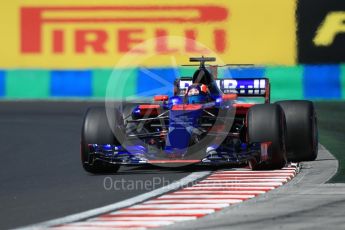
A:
<point x="197" y="93"/>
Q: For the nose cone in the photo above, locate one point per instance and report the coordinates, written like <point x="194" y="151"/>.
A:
<point x="183" y="120"/>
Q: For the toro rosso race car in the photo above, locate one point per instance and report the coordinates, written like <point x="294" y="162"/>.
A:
<point x="206" y="121"/>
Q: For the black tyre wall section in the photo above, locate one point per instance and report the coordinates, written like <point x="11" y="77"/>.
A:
<point x="302" y="133"/>
<point x="312" y="15"/>
<point x="96" y="130"/>
<point x="266" y="123"/>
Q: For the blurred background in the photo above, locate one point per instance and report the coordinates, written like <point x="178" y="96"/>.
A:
<point x="69" y="49"/>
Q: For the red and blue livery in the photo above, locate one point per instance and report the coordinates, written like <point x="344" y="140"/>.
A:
<point x="207" y="121"/>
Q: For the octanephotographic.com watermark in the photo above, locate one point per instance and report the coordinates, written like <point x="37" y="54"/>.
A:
<point x="153" y="183"/>
<point x="110" y="183"/>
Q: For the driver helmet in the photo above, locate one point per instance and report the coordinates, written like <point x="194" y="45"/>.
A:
<point x="197" y="93"/>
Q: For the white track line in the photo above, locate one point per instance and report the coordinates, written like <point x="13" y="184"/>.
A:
<point x="138" y="223"/>
<point x="216" y="196"/>
<point x="255" y="174"/>
<point x="129" y="202"/>
<point x="98" y="227"/>
<point x="233" y="188"/>
<point x="243" y="180"/>
<point x="219" y="190"/>
<point x="186" y="201"/>
<point x="159" y="212"/>
<point x="239" y="183"/>
<point x="179" y="206"/>
<point x="245" y="177"/>
<point x="152" y="218"/>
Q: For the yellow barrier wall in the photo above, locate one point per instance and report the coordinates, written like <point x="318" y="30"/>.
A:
<point x="74" y="34"/>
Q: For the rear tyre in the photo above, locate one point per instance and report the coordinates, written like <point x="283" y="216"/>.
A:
<point x="302" y="133"/>
<point x="266" y="123"/>
<point x="96" y="130"/>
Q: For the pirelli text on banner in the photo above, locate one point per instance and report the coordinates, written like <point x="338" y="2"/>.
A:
<point x="91" y="34"/>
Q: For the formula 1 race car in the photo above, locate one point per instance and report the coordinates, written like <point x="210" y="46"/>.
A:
<point x="207" y="121"/>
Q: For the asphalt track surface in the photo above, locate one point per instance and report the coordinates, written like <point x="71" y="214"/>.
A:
<point x="306" y="202"/>
<point x="41" y="177"/>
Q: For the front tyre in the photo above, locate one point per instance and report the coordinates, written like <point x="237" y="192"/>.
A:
<point x="266" y="123"/>
<point x="96" y="130"/>
<point x="302" y="133"/>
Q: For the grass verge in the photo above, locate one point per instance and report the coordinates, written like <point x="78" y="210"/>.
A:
<point x="331" y="122"/>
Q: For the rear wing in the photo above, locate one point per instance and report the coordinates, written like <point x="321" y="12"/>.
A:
<point x="243" y="87"/>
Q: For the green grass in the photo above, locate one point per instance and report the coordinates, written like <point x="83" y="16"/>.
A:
<point x="331" y="121"/>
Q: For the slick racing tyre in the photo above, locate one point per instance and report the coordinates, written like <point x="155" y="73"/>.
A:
<point x="266" y="123"/>
<point x="302" y="133"/>
<point x="96" y="130"/>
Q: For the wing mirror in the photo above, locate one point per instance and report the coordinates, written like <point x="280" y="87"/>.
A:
<point x="161" y="98"/>
<point x="229" y="97"/>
